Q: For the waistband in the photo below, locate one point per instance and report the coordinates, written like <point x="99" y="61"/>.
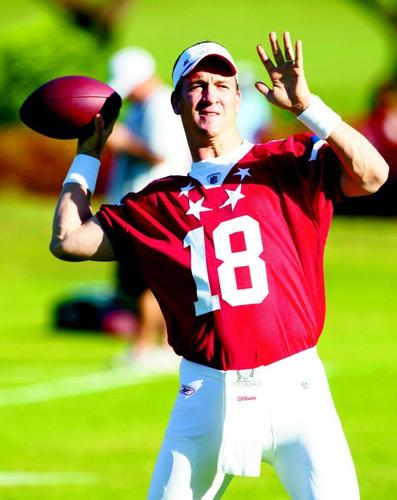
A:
<point x="306" y="358"/>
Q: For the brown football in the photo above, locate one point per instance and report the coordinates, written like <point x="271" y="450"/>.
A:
<point x="64" y="108"/>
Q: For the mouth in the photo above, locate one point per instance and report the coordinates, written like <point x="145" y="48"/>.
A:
<point x="205" y="109"/>
<point x="208" y="113"/>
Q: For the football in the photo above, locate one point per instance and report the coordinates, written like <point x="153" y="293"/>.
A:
<point x="65" y="108"/>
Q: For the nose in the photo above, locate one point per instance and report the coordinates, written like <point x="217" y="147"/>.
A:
<point x="210" y="93"/>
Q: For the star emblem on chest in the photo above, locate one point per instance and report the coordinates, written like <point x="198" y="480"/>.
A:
<point x="195" y="208"/>
<point x="243" y="173"/>
<point x="233" y="196"/>
<point x="185" y="190"/>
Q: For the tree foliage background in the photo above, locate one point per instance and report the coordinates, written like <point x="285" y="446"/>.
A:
<point x="60" y="38"/>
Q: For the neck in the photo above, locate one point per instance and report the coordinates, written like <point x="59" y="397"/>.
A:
<point x="211" y="147"/>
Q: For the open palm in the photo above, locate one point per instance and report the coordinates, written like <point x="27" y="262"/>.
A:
<point x="289" y="88"/>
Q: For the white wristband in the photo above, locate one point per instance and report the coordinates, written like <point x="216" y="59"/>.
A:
<point x="319" y="118"/>
<point x="84" y="171"/>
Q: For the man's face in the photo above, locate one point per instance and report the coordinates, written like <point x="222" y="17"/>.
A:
<point x="209" y="99"/>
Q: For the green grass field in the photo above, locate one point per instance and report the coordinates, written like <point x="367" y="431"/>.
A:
<point x="75" y="428"/>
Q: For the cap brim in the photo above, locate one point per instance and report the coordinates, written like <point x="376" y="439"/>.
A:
<point x="190" y="68"/>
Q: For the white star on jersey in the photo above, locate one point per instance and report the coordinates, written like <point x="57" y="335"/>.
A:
<point x="233" y="197"/>
<point x="185" y="190"/>
<point x="243" y="173"/>
<point x="195" y="208"/>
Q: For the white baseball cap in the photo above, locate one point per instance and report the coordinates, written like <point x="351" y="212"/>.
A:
<point x="189" y="59"/>
<point x="130" y="67"/>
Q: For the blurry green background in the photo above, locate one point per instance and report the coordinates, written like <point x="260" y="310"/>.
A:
<point x="348" y="48"/>
<point x="70" y="425"/>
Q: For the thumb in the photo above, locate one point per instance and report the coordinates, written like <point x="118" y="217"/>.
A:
<point x="264" y="89"/>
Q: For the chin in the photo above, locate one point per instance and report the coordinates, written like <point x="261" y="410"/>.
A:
<point x="210" y="133"/>
<point x="212" y="126"/>
<point x="210" y="130"/>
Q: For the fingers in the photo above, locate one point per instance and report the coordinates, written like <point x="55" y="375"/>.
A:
<point x="277" y="53"/>
<point x="103" y="130"/>
<point x="93" y="144"/>
<point x="299" y="54"/>
<point x="110" y="126"/>
<point x="288" y="50"/>
<point x="99" y="124"/>
<point x="264" y="58"/>
<point x="280" y="58"/>
<point x="263" y="88"/>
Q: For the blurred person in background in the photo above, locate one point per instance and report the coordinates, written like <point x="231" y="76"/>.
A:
<point x="380" y="128"/>
<point x="254" y="117"/>
<point x="148" y="144"/>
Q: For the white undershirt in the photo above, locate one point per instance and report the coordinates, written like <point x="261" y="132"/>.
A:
<point x="211" y="173"/>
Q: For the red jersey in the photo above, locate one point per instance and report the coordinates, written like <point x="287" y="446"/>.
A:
<point x="236" y="268"/>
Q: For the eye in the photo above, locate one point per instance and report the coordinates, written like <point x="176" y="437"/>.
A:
<point x="195" y="85"/>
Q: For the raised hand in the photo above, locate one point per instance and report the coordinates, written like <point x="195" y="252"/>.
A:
<point x="290" y="90"/>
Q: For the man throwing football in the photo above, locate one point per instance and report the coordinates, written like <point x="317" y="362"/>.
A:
<point x="234" y="255"/>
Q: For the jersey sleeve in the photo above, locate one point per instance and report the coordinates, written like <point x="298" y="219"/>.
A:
<point x="113" y="221"/>
<point x="135" y="222"/>
<point x="307" y="171"/>
<point x="323" y="176"/>
<point x="325" y="169"/>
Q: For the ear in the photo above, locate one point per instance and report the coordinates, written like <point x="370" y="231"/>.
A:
<point x="238" y="98"/>
<point x="175" y="103"/>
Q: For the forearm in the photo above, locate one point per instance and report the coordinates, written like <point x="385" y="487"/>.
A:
<point x="72" y="210"/>
<point x="76" y="233"/>
<point x="364" y="169"/>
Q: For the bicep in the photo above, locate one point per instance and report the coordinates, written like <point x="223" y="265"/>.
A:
<point x="101" y="247"/>
<point x="88" y="242"/>
<point x="364" y="169"/>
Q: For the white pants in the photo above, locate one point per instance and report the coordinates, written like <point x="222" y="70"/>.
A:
<point x="299" y="431"/>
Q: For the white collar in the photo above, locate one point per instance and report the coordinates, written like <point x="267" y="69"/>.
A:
<point x="211" y="173"/>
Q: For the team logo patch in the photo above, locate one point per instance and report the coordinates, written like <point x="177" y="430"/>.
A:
<point x="214" y="178"/>
<point x="186" y="390"/>
<point x="246" y="378"/>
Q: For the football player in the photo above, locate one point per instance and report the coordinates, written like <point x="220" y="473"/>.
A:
<point x="234" y="255"/>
